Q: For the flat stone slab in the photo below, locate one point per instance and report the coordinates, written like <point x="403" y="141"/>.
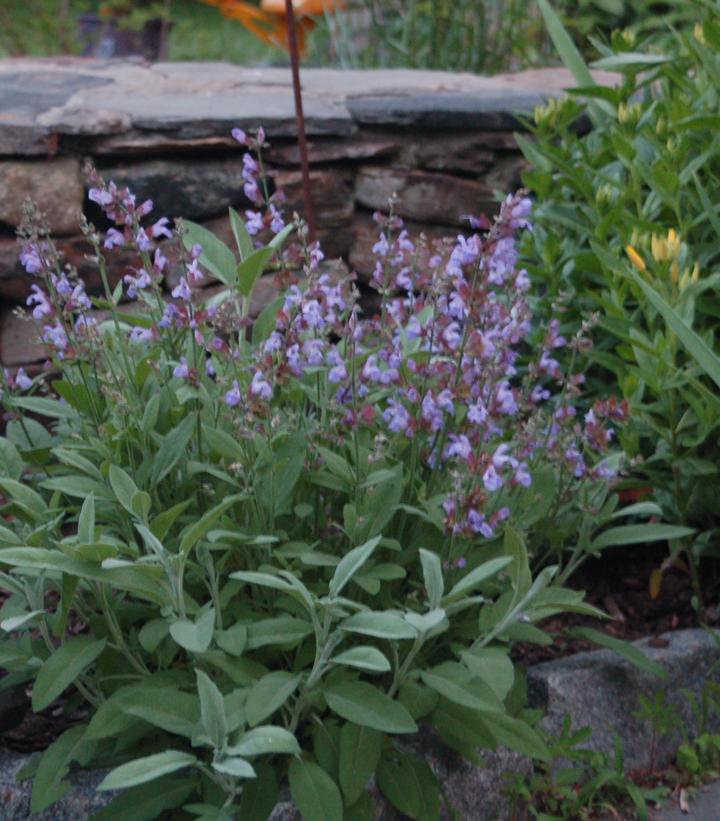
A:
<point x="600" y="689"/>
<point x="111" y="105"/>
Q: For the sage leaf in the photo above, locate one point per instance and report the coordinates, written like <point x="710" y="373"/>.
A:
<point x="367" y="706"/>
<point x="142" y="770"/>
<point x="61" y="669"/>
<point x="314" y="793"/>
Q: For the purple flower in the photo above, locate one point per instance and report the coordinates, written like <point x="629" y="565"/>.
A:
<point x="22" y="380"/>
<point x="182" y="290"/>
<point x="278" y="223"/>
<point x="260" y="387"/>
<point x="239" y="135"/>
<point x="478" y="524"/>
<point x="101" y="196"/>
<point x="114" y="239"/>
<point x="142" y="280"/>
<point x="171" y="316"/>
<point x="233" y="397"/>
<point x="55" y="335"/>
<point x="40" y="299"/>
<point x="477" y="413"/>
<point x="397" y="418"/>
<point x="30" y="259"/>
<point x="431" y="413"/>
<point x="159" y="261"/>
<point x="492" y="479"/>
<point x="194" y="274"/>
<point x="138" y="335"/>
<point x="254" y="222"/>
<point x="160" y="228"/>
<point x="143" y="241"/>
<point x="459" y="447"/>
<point x="505" y="399"/>
<point x="182" y="371"/>
<point x="522" y="476"/>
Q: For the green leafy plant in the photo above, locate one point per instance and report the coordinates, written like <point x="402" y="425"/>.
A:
<point x="642" y="177"/>
<point x="281" y="549"/>
<point x="587" y="782"/>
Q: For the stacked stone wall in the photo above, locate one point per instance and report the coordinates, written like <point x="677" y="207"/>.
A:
<point x="443" y="145"/>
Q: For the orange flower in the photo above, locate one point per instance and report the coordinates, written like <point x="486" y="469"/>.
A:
<point x="268" y="22"/>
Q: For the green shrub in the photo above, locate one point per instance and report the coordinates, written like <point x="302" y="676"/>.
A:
<point x="645" y="176"/>
<point x="279" y="551"/>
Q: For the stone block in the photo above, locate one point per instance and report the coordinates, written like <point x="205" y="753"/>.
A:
<point x="600" y="689"/>
<point x="366" y="232"/>
<point x="331" y="196"/>
<point x="423" y="196"/>
<point x="463" y="153"/>
<point x="15" y="282"/>
<point x="194" y="189"/>
<point x="55" y="185"/>
<point x="360" y="147"/>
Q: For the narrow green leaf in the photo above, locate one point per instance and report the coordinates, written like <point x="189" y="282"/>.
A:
<point x="212" y="710"/>
<point x="364" y="658"/>
<point x="623" y="648"/>
<point x="237" y="767"/>
<point x="61" y="669"/>
<point x="640" y="534"/>
<point x="386" y="625"/>
<point x="250" y="270"/>
<point x="477" y="576"/>
<point x="314" y="793"/>
<point x="11" y="462"/>
<point x="432" y="574"/>
<point x="86" y="521"/>
<point x="360" y="750"/>
<point x="123" y="487"/>
<point x="142" y="770"/>
<point x="266" y="740"/>
<point x="367" y="706"/>
<point x="243" y="240"/>
<point x="350" y="564"/>
<point x="268" y="694"/>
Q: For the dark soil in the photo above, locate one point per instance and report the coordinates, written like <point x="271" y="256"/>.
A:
<point x="619" y="584"/>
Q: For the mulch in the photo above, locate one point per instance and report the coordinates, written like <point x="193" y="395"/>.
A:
<point x="619" y="583"/>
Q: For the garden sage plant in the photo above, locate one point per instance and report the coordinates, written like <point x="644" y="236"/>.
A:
<point x="282" y="548"/>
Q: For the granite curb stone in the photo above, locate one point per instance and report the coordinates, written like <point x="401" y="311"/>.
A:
<point x="597" y="688"/>
<point x="602" y="690"/>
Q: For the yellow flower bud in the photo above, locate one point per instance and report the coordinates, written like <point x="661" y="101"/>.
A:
<point x="635" y="258"/>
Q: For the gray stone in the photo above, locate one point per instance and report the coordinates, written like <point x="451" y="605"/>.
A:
<point x="701" y="806"/>
<point x="440" y="110"/>
<point x="24" y="95"/>
<point x="78" y="805"/>
<point x="600" y="689"/>
<point x="195" y="190"/>
<point x="55" y="185"/>
<point x="423" y="196"/>
<point x="466" y="153"/>
<point x="108" y="104"/>
<point x="332" y="199"/>
<point x="15" y="282"/>
<point x="365" y="233"/>
<point x="334" y="150"/>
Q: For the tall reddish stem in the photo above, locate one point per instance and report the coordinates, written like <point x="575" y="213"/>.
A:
<point x="300" y="116"/>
